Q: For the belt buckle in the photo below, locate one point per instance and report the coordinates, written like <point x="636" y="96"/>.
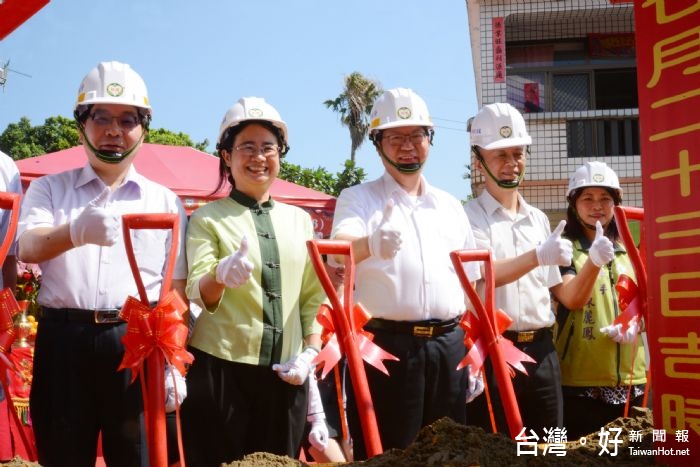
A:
<point x="423" y="331"/>
<point x="526" y="336"/>
<point x="107" y="316"/>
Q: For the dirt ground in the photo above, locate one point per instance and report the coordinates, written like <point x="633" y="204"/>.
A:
<point x="446" y="443"/>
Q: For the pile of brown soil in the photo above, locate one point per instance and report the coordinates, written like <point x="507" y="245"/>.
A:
<point x="446" y="443"/>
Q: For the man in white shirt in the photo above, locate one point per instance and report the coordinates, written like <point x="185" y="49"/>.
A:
<point x="71" y="225"/>
<point x="9" y="182"/>
<point x="526" y="257"/>
<point x="402" y="231"/>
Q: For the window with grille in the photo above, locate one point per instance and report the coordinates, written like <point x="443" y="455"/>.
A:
<point x="599" y="137"/>
<point x="571" y="75"/>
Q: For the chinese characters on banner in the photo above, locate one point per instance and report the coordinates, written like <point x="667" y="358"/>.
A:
<point x="499" y="49"/>
<point x="668" y="64"/>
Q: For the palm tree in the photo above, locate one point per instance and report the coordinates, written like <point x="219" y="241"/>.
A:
<point x="354" y="105"/>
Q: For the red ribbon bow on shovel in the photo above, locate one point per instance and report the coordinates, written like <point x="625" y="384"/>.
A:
<point x="159" y="328"/>
<point x="629" y="301"/>
<point x="154" y="335"/>
<point x="490" y="324"/>
<point x="330" y="354"/>
<point x="478" y="347"/>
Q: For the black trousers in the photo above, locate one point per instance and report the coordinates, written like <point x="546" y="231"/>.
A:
<point x="78" y="392"/>
<point x="538" y="393"/>
<point x="234" y="409"/>
<point x="422" y="387"/>
<point x="583" y="415"/>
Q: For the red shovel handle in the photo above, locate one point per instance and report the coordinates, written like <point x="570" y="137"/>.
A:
<point x="9" y="201"/>
<point x="487" y="316"/>
<point x="342" y="316"/>
<point x="622" y="215"/>
<point x="154" y="397"/>
<point x="151" y="221"/>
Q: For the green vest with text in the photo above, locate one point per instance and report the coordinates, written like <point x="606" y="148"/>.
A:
<point x="587" y="356"/>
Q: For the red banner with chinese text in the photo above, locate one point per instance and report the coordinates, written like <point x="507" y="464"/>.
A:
<point x="498" y="46"/>
<point x="668" y="64"/>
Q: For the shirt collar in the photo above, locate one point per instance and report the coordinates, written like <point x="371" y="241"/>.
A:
<point x="492" y="205"/>
<point x="87" y="175"/>
<point x="250" y="203"/>
<point x="396" y="191"/>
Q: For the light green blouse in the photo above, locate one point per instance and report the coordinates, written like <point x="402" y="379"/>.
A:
<point x="265" y="320"/>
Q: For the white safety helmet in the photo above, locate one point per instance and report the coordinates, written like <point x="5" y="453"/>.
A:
<point x="594" y="174"/>
<point x="113" y="83"/>
<point x="399" y="107"/>
<point x="498" y="126"/>
<point x="252" y="108"/>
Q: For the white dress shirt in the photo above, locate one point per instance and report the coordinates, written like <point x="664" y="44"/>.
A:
<point x="92" y="276"/>
<point x="526" y="300"/>
<point x="9" y="182"/>
<point x="419" y="283"/>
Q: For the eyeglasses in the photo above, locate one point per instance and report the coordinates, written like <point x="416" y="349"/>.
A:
<point x="397" y="141"/>
<point x="126" y="121"/>
<point x="250" y="150"/>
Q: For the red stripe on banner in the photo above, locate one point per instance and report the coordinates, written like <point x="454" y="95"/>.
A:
<point x="498" y="45"/>
<point x="668" y="64"/>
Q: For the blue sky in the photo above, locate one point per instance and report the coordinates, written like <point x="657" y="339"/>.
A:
<point x="199" y="57"/>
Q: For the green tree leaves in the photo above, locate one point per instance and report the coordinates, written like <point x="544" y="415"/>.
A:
<point x="354" y="105"/>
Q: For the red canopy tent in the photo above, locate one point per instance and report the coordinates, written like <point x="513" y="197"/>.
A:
<point x="190" y="173"/>
<point x="15" y="12"/>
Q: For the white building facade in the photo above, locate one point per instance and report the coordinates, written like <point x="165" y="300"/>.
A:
<point x="569" y="66"/>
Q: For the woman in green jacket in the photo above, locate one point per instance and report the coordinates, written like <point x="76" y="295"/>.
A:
<point x="598" y="361"/>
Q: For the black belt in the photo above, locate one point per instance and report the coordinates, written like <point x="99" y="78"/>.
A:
<point x="524" y="337"/>
<point x="78" y="315"/>
<point x="428" y="328"/>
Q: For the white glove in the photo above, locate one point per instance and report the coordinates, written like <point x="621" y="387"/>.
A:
<point x="386" y="240"/>
<point x="234" y="270"/>
<point x="297" y="369"/>
<point x="602" y="250"/>
<point x="171" y="389"/>
<point x="555" y="251"/>
<point x="318" y="436"/>
<point x="476" y="384"/>
<point x="96" y="225"/>
<point x="614" y="331"/>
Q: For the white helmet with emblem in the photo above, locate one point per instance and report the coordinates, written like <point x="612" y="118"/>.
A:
<point x="498" y="126"/>
<point x="594" y="174"/>
<point x="113" y="83"/>
<point x="252" y="108"/>
<point x="399" y="107"/>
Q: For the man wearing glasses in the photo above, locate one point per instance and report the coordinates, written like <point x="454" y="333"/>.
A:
<point x="402" y="231"/>
<point x="71" y="225"/>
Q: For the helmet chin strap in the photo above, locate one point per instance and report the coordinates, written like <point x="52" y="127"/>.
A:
<point x="508" y="184"/>
<point x="403" y="168"/>
<point x="109" y="157"/>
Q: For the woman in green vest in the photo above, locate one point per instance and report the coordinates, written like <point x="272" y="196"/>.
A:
<point x="598" y="360"/>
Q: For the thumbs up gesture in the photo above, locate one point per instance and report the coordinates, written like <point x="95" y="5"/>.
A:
<point x="385" y="242"/>
<point x="555" y="251"/>
<point x="602" y="249"/>
<point x="96" y="224"/>
<point x="234" y="270"/>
